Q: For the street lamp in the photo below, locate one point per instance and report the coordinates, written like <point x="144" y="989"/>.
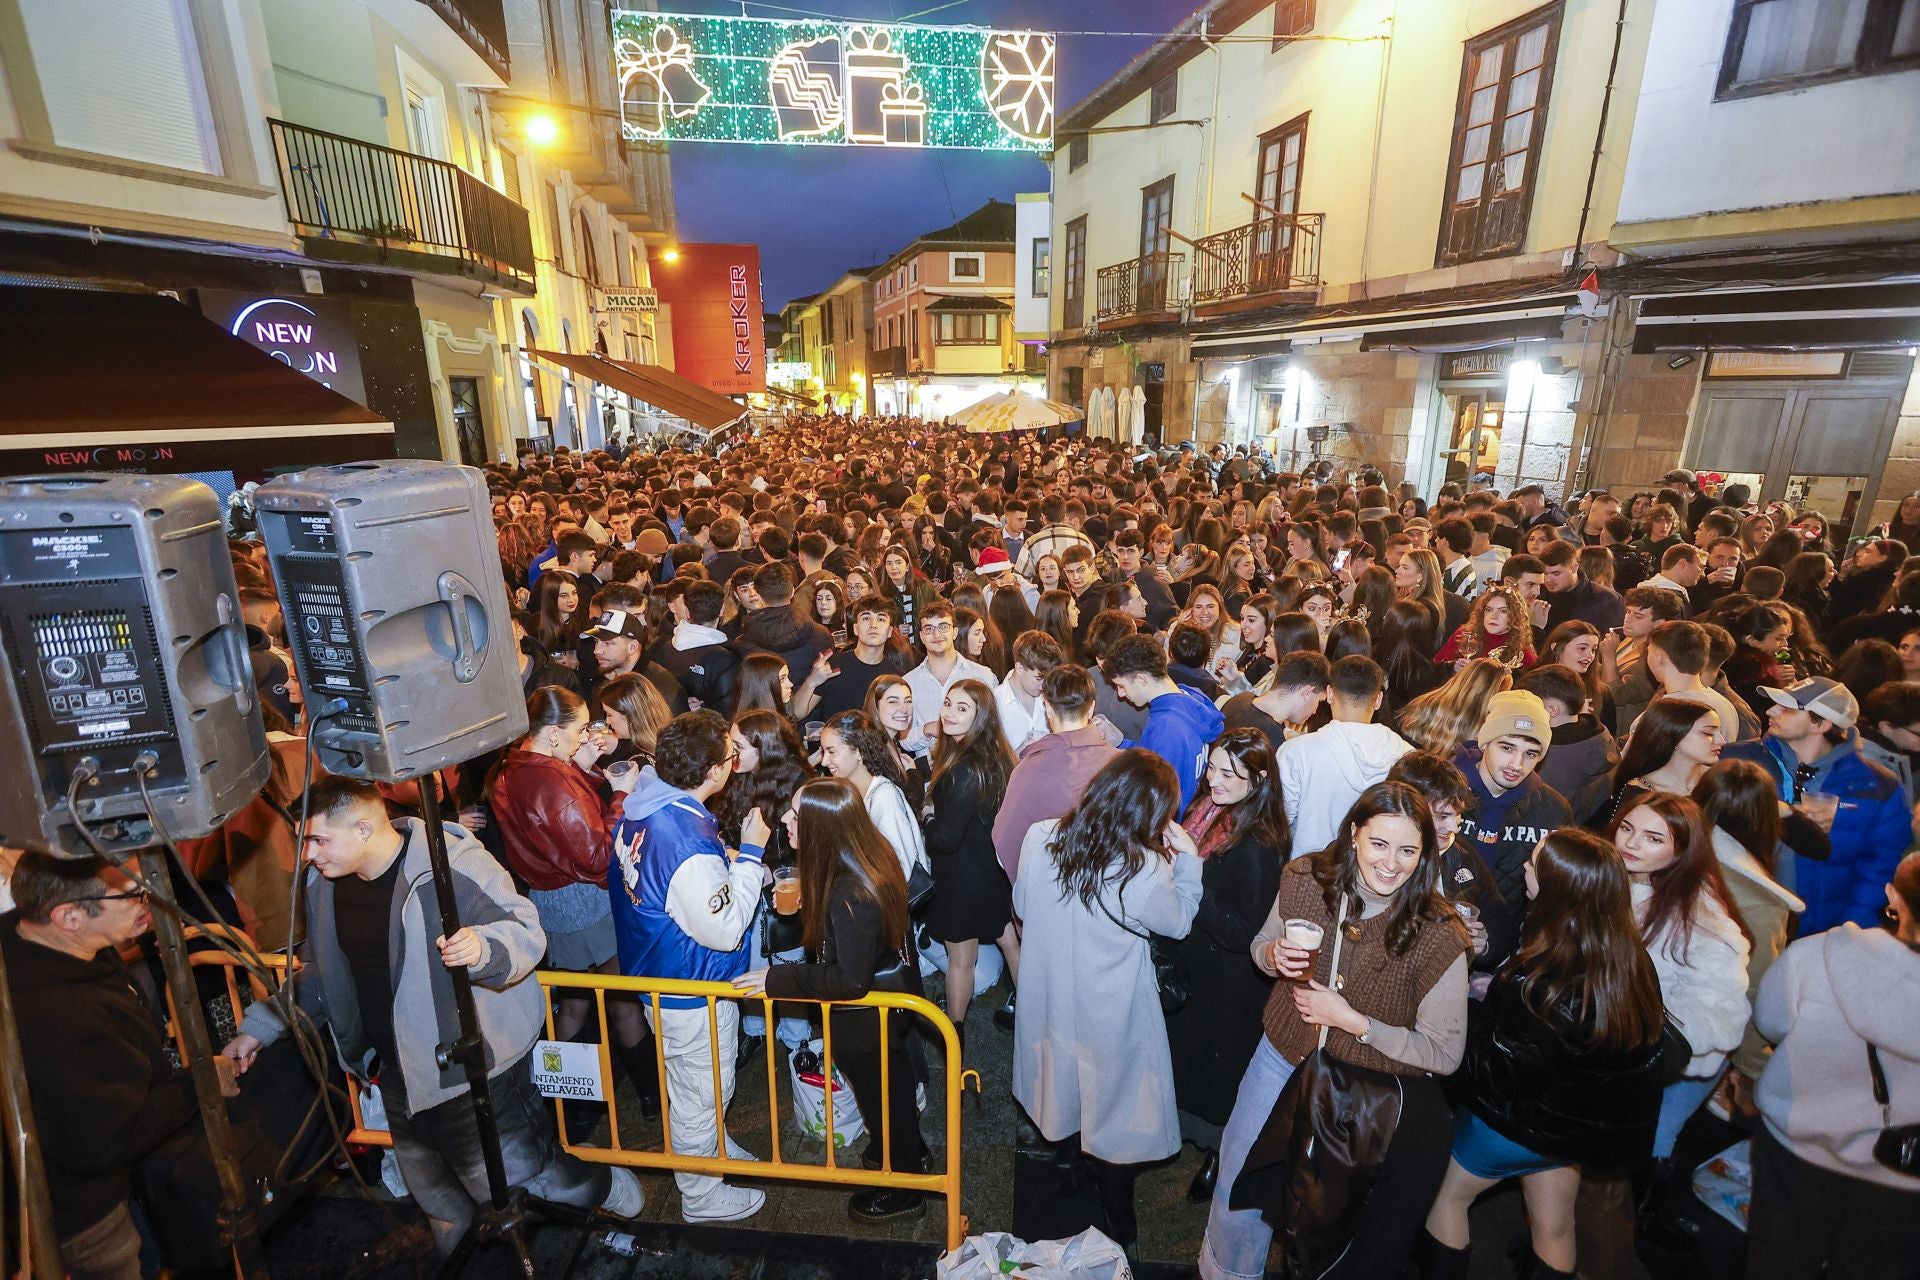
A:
<point x="540" y="129"/>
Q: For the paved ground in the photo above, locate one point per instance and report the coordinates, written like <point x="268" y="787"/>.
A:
<point x="337" y="1236"/>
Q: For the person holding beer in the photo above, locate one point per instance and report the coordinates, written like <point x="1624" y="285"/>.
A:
<point x="853" y="920"/>
<point x="1398" y="1006"/>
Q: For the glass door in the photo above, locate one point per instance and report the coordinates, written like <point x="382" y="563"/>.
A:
<point x="1821" y="445"/>
<point x="1473" y="448"/>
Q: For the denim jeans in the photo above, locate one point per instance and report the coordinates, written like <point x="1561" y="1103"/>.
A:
<point x="1237" y="1240"/>
<point x="1677" y="1104"/>
<point x="441" y="1162"/>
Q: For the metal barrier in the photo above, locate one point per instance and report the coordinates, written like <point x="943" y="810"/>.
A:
<point x="887" y="1004"/>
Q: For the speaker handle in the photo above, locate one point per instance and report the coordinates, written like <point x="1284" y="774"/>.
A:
<point x="455" y="590"/>
<point x="233" y="634"/>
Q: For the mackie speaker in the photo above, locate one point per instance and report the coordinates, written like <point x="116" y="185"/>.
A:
<point x="397" y="614"/>
<point x="127" y="656"/>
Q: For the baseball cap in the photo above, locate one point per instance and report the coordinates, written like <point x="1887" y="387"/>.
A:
<point x="1828" y="699"/>
<point x="615" y="623"/>
<point x="1515" y="714"/>
<point x="994" y="560"/>
<point x="1680" y="474"/>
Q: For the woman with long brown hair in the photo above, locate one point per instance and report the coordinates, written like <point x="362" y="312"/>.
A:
<point x="1445" y="719"/>
<point x="1059" y="616"/>
<point x="972" y="900"/>
<point x="635" y="714"/>
<point x="560" y="615"/>
<point x="853" y="921"/>
<point x="1496" y="626"/>
<point x="764" y="684"/>
<point x="1418" y="577"/>
<point x="1397" y="1006"/>
<point x="1563" y="1067"/>
<point x="1674" y="742"/>
<point x="1700" y="950"/>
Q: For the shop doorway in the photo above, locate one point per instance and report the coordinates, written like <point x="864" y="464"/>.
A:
<point x="469" y="427"/>
<point x="1473" y="444"/>
<point x="1153" y="382"/>
<point x="1817" y="445"/>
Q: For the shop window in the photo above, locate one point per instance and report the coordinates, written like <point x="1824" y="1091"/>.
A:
<point x="1074" y="293"/>
<point x="1783" y="44"/>
<point x="1291" y="18"/>
<point x="1165" y="98"/>
<point x="1498" y="129"/>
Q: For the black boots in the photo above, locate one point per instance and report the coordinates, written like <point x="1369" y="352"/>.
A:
<point x="1663" y="1219"/>
<point x="1003" y="1016"/>
<point x="1200" y="1190"/>
<point x="1527" y="1265"/>
<point x="1115" y="1183"/>
<point x="1438" y="1262"/>
<point x="638" y="1062"/>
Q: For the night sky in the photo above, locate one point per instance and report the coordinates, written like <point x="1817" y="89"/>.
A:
<point x="816" y="211"/>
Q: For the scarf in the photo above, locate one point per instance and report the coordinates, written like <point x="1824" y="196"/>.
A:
<point x="1210" y="826"/>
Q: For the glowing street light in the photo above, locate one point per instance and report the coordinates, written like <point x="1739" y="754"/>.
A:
<point x="540" y="129"/>
<point x="669" y="255"/>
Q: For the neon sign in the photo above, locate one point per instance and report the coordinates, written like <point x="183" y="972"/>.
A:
<point x="702" y="78"/>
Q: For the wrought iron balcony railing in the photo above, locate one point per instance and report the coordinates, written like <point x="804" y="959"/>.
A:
<point x="1139" y="286"/>
<point x="1272" y="255"/>
<point x="359" y="199"/>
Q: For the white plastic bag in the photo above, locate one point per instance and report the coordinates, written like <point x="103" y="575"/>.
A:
<point x="1725" y="1184"/>
<point x="810" y="1102"/>
<point x="1087" y="1256"/>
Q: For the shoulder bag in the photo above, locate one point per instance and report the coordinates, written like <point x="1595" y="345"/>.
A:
<point x="1169" y="974"/>
<point x="1898" y="1146"/>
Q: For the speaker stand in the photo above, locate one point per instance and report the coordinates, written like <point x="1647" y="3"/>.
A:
<point x="235" y="1214"/>
<point x="503" y="1219"/>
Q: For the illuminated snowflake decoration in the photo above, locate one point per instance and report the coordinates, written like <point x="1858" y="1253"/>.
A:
<point x="1016" y="77"/>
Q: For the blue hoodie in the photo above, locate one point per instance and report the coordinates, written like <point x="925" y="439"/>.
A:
<point x="681" y="909"/>
<point x="1180" y="727"/>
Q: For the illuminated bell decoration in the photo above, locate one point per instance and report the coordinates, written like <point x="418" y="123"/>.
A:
<point x="706" y="78"/>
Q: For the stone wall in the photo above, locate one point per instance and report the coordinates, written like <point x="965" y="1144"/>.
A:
<point x="1902" y="475"/>
<point x="1643" y="421"/>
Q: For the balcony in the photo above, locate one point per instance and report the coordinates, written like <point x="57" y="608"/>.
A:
<point x="1139" y="289"/>
<point x="890" y="362"/>
<point x="465" y="38"/>
<point x="1258" y="262"/>
<point x="351" y="201"/>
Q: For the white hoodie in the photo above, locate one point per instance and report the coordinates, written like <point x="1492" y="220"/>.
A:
<point x="1822" y="1003"/>
<point x="1704" y="981"/>
<point x="1322" y="773"/>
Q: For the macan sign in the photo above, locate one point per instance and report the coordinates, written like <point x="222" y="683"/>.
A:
<point x="814" y="82"/>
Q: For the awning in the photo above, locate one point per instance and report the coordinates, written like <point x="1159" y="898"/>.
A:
<point x="1840" y="317"/>
<point x="92" y="380"/>
<point x="780" y="393"/>
<point x="650" y="384"/>
<point x="970" y="304"/>
<point x="1463" y="326"/>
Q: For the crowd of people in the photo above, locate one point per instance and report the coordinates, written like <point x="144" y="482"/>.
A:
<point x="1382" y="850"/>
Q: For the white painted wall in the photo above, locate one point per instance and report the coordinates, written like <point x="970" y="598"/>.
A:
<point x="1691" y="155"/>
<point x="1031" y="221"/>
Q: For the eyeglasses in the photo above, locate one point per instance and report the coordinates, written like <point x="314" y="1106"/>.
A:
<point x="131" y="895"/>
<point x="935" y="628"/>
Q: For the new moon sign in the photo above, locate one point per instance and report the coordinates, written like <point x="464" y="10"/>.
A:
<point x="718" y="335"/>
<point x="708" y="78"/>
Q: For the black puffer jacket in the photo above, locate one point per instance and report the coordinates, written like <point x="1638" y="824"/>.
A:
<point x="782" y="631"/>
<point x="1537" y="1082"/>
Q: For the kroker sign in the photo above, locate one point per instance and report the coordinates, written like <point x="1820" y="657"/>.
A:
<point x="714" y="293"/>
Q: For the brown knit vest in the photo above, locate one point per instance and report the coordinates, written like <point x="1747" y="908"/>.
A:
<point x="1381" y="985"/>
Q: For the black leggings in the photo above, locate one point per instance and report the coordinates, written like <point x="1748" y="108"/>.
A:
<point x="861" y="1067"/>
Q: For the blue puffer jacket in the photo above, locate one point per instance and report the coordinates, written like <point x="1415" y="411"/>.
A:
<point x="1871" y="832"/>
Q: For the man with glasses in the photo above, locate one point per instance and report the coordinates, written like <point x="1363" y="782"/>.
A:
<point x="104" y="1094"/>
<point x="682" y="905"/>
<point x="943" y="667"/>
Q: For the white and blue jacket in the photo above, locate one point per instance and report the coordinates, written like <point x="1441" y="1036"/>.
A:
<point x="680" y="908"/>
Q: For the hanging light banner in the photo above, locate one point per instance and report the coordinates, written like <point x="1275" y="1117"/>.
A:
<point x="702" y="78"/>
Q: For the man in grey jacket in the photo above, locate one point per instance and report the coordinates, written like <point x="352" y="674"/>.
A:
<point x="369" y="973"/>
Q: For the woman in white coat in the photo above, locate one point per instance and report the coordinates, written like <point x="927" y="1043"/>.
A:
<point x="1700" y="951"/>
<point x="851" y="747"/>
<point x="1090" y="1046"/>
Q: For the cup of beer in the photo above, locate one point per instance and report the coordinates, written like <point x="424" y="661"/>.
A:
<point x="1306" y="936"/>
<point x="786" y="890"/>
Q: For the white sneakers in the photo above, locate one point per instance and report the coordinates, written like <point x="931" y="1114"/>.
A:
<point x="726" y="1204"/>
<point x="624" y="1199"/>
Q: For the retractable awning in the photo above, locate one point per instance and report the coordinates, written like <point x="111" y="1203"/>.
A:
<point x="1837" y="317"/>
<point x="650" y="384"/>
<point x="1462" y="326"/>
<point x="92" y="380"/>
<point x="781" y="393"/>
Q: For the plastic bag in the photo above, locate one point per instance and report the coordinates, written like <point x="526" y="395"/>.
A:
<point x="810" y="1100"/>
<point x="1725" y="1184"/>
<point x="1091" y="1255"/>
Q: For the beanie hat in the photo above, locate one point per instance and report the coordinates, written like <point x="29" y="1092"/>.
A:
<point x="1515" y="714"/>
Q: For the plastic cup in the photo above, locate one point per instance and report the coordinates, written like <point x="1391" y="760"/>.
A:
<point x="619" y="772"/>
<point x="1306" y="936"/>
<point x="786" y="890"/>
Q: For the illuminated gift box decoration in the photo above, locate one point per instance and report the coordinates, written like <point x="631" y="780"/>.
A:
<point x="905" y="109"/>
<point x="874" y="70"/>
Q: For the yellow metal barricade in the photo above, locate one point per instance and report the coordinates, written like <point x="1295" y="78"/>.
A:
<point x="886" y="1004"/>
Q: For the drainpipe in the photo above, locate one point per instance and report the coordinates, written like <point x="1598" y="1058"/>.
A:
<point x="1212" y="127"/>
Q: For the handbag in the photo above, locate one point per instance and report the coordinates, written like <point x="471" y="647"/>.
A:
<point x="919" y="888"/>
<point x="1898" y="1146"/>
<point x="1169" y="972"/>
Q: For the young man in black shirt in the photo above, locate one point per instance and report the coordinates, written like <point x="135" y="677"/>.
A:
<point x="839" y="681"/>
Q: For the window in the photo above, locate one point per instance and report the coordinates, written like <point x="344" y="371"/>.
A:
<point x="1497" y="131"/>
<point x="1076" y="388"/>
<point x="469" y="428"/>
<point x="589" y="260"/>
<point x="1291" y="18"/>
<point x="1782" y="44"/>
<point x="1074" y="295"/>
<point x="967" y="328"/>
<point x="1076" y="152"/>
<point x="913" y="272"/>
<point x="1165" y="98"/>
<point x="966" y="267"/>
<point x="1277" y="184"/>
<point x="556" y="244"/>
<point x="1042" y="266"/>
<point x="913" y="332"/>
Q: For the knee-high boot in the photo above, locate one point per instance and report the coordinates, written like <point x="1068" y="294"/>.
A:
<point x="1440" y="1262"/>
<point x="1115" y="1182"/>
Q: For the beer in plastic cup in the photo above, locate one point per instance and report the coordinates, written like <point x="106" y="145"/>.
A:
<point x="786" y="891"/>
<point x="1306" y="936"/>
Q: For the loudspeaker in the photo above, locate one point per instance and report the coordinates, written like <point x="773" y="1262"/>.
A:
<point x="397" y="613"/>
<point x="122" y="634"/>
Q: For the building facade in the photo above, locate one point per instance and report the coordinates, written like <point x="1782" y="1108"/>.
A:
<point x="845" y="346"/>
<point x="943" y="319"/>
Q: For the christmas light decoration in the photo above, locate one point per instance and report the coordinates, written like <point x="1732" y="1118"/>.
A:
<point x="703" y="78"/>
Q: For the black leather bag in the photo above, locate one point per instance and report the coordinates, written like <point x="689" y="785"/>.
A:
<point x="1169" y="972"/>
<point x="919" y="889"/>
<point x="1898" y="1146"/>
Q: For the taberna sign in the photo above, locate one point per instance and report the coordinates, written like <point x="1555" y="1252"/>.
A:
<point x="629" y="301"/>
<point x="308" y="333"/>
